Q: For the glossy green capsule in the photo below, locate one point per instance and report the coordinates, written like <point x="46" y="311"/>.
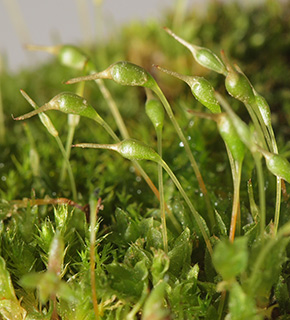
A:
<point x="237" y="84"/>
<point x="203" y="56"/>
<point x="124" y="73"/>
<point x="66" y="102"/>
<point x="240" y="126"/>
<point x="264" y="108"/>
<point x="202" y="90"/>
<point x="129" y="148"/>
<point x="135" y="150"/>
<point x="230" y="136"/>
<point x="155" y="111"/>
<point x="277" y="165"/>
<point x="68" y="55"/>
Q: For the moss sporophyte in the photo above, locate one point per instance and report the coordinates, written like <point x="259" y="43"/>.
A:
<point x="209" y="250"/>
<point x="129" y="74"/>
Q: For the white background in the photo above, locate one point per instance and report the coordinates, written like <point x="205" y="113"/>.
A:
<point x="47" y="22"/>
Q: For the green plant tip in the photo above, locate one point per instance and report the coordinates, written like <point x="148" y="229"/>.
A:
<point x="278" y="165"/>
<point x="237" y="84"/>
<point x="129" y="148"/>
<point x="230" y="136"/>
<point x="68" y="55"/>
<point x="263" y="108"/>
<point x="124" y="73"/>
<point x="203" y="56"/>
<point x="202" y="90"/>
<point x="74" y="58"/>
<point x="135" y="150"/>
<point x="155" y="111"/>
<point x="66" y="102"/>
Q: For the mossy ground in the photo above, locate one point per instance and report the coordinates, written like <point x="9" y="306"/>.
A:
<point x="134" y="277"/>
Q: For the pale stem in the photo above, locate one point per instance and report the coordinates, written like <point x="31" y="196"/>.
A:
<point x="193" y="163"/>
<point x="69" y="169"/>
<point x="73" y="121"/>
<point x="190" y="205"/>
<point x="94" y="209"/>
<point x="262" y="200"/>
<point x="161" y="191"/>
<point x="60" y="145"/>
<point x="125" y="135"/>
<point x="113" y="108"/>
<point x="236" y="219"/>
<point x="69" y="139"/>
<point x="278" y="183"/>
<point x="256" y="125"/>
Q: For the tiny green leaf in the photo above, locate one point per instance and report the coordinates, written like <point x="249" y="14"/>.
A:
<point x="6" y="287"/>
<point x="230" y="259"/>
<point x="160" y="265"/>
<point x="241" y="305"/>
<point x="154" y="306"/>
<point x="56" y="254"/>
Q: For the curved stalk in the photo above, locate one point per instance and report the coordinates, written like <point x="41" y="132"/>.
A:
<point x="47" y="123"/>
<point x="69" y="169"/>
<point x="190" y="205"/>
<point x="161" y="191"/>
<point x="236" y="217"/>
<point x="211" y="218"/>
<point x="262" y="200"/>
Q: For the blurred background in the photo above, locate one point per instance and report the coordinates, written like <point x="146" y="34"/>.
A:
<point x="74" y="21"/>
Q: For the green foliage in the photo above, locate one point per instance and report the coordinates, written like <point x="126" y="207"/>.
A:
<point x="56" y="263"/>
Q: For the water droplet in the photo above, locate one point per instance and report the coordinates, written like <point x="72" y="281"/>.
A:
<point x="189" y="138"/>
<point x="216" y="204"/>
<point x="138" y="179"/>
<point x="3" y="178"/>
<point x="139" y="191"/>
<point x="132" y="169"/>
<point x="2" y="165"/>
<point x="53" y="194"/>
<point x="201" y="194"/>
<point x="181" y="144"/>
<point x="191" y="123"/>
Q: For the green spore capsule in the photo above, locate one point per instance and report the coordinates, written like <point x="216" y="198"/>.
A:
<point x="66" y="102"/>
<point x="68" y="55"/>
<point x="240" y="126"/>
<point x="230" y="136"/>
<point x="238" y="85"/>
<point x="124" y="73"/>
<point x="74" y="58"/>
<point x="155" y="111"/>
<point x="135" y="150"/>
<point x="277" y="164"/>
<point x="202" y="90"/>
<point x="203" y="56"/>
<point x="264" y="108"/>
<point x="129" y="148"/>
